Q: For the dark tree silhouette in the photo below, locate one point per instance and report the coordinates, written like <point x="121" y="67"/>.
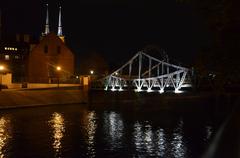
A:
<point x="94" y="61"/>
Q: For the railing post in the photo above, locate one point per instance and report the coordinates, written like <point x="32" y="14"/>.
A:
<point x="130" y="69"/>
<point x="139" y="65"/>
<point x="149" y="67"/>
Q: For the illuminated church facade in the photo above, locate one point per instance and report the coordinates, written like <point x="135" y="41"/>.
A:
<point x="50" y="59"/>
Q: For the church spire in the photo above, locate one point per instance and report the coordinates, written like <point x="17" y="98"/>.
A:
<point x="60" y="23"/>
<point x="47" y="30"/>
<point x="59" y="33"/>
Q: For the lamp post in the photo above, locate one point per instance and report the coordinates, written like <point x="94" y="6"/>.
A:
<point x="91" y="72"/>
<point x="1" y="72"/>
<point x="58" y="68"/>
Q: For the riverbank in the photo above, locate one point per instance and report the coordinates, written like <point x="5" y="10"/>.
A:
<point x="41" y="97"/>
<point x="141" y="101"/>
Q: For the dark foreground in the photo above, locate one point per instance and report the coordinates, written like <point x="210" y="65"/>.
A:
<point x="114" y="129"/>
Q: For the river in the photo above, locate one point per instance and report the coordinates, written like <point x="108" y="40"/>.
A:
<point x="83" y="131"/>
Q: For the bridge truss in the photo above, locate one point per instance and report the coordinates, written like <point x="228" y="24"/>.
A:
<point x="146" y="73"/>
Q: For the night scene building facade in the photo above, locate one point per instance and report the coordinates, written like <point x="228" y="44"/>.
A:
<point x="50" y="54"/>
<point x="14" y="55"/>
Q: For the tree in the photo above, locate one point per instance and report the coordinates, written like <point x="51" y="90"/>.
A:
<point x="95" y="62"/>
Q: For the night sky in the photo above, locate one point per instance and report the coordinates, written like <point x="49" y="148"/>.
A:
<point x="116" y="29"/>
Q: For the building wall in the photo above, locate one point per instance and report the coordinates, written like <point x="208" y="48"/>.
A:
<point x="42" y="64"/>
<point x="6" y="78"/>
<point x="13" y="55"/>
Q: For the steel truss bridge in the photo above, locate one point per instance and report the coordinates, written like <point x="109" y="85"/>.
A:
<point x="146" y="73"/>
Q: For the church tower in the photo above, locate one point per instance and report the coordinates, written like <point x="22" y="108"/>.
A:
<point x="46" y="30"/>
<point x="60" y="33"/>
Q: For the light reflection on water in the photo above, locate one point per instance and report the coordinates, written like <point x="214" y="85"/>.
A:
<point x="58" y="127"/>
<point x="114" y="129"/>
<point x="209" y="132"/>
<point x="91" y="130"/>
<point x="178" y="145"/>
<point x="147" y="141"/>
<point x="154" y="142"/>
<point x="82" y="132"/>
<point x="5" y="135"/>
<point x="161" y="143"/>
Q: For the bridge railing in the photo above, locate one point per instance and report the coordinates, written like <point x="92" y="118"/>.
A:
<point x="145" y="72"/>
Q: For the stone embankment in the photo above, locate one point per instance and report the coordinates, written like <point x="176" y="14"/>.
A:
<point x="30" y="98"/>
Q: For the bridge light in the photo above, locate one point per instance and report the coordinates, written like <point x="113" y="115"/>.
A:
<point x="177" y="91"/>
<point x="149" y="90"/>
<point x="161" y="90"/>
<point x="120" y="89"/>
<point x="113" y="89"/>
<point x="138" y="89"/>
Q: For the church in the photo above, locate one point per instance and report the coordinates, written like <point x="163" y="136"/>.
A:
<point x="50" y="60"/>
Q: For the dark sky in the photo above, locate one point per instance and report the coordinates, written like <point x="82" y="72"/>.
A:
<point x="116" y="29"/>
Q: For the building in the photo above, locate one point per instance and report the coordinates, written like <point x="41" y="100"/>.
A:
<point x="14" y="56"/>
<point x="51" y="59"/>
<point x="45" y="57"/>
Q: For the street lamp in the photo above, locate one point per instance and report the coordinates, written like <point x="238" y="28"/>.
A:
<point x="58" y="68"/>
<point x="91" y="72"/>
<point x="1" y="72"/>
<point x="1" y="67"/>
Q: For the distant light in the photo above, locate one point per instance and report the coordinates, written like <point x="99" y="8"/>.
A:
<point x="1" y="67"/>
<point x="58" y="68"/>
<point x="7" y="57"/>
<point x="77" y="77"/>
<point x="91" y="72"/>
<point x="116" y="73"/>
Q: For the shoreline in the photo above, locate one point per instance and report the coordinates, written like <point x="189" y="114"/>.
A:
<point x="37" y="98"/>
<point x="47" y="97"/>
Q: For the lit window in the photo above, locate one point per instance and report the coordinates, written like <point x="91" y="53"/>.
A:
<point x="7" y="57"/>
<point x="17" y="57"/>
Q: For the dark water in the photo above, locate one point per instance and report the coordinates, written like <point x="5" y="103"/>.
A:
<point x="80" y="131"/>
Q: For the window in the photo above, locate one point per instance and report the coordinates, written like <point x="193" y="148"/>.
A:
<point x="17" y="57"/>
<point x="45" y="49"/>
<point x="58" y="49"/>
<point x="7" y="57"/>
